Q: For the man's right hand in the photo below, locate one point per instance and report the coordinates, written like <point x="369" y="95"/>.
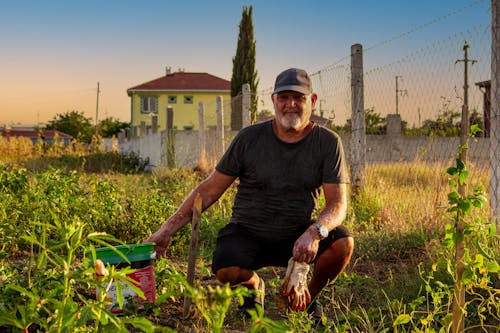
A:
<point x="161" y="242"/>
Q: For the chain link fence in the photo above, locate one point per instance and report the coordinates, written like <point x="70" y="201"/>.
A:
<point x="413" y="103"/>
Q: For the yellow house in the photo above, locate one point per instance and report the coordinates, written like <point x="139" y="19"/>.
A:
<point x="181" y="91"/>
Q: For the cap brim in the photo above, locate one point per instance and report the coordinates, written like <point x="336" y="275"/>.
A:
<point x="299" y="89"/>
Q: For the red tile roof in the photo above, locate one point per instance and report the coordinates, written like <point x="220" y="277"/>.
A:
<point x="33" y="134"/>
<point x="183" y="81"/>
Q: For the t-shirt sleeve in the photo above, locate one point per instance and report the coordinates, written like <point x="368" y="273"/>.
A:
<point x="334" y="168"/>
<point x="231" y="162"/>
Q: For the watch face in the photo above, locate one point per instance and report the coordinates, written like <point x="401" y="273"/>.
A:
<point x="322" y="230"/>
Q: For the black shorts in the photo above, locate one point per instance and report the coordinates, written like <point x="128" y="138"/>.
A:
<point x="236" y="246"/>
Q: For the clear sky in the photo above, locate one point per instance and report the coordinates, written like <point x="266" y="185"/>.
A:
<point x="53" y="53"/>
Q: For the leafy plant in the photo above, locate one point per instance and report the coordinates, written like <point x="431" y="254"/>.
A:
<point x="480" y="268"/>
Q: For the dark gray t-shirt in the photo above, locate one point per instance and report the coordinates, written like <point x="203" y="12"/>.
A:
<point x="279" y="182"/>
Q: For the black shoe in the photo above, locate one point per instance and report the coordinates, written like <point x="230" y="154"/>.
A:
<point x="315" y="309"/>
<point x="250" y="302"/>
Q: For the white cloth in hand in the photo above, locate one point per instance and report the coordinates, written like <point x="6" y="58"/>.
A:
<point x="294" y="287"/>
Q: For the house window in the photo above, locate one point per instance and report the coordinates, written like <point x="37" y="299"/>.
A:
<point x="172" y="99"/>
<point x="188" y="99"/>
<point x="149" y="104"/>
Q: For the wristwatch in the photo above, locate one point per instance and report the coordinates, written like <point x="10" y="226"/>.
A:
<point x="321" y="230"/>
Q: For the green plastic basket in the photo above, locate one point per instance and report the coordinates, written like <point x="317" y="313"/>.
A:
<point x="133" y="252"/>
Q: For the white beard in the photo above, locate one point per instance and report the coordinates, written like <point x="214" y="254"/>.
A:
<point x="290" y="121"/>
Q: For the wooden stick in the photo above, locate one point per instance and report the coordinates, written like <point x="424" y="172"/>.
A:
<point x="193" y="249"/>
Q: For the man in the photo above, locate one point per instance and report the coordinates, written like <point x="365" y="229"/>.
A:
<point x="281" y="165"/>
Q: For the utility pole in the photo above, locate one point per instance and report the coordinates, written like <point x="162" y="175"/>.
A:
<point x="459" y="295"/>
<point x="97" y="108"/>
<point x="402" y="92"/>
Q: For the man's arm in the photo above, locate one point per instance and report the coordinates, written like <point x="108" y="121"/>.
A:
<point x="332" y="215"/>
<point x="335" y="205"/>
<point x="210" y="189"/>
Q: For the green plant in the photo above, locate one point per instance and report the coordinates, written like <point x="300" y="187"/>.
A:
<point x="264" y="324"/>
<point x="45" y="289"/>
<point x="478" y="262"/>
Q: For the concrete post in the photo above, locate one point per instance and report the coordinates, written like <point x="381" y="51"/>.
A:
<point x="358" y="132"/>
<point x="143" y="128"/>
<point x="121" y="136"/>
<point x="393" y="124"/>
<point x="154" y="124"/>
<point x="246" y="105"/>
<point x="495" y="115"/>
<point x="170" y="138"/>
<point x="220" y="127"/>
<point x="201" y="135"/>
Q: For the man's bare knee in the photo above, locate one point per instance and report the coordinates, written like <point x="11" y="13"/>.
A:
<point x="343" y="247"/>
<point x="232" y="275"/>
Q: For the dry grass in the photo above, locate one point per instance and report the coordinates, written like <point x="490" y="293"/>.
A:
<point x="413" y="196"/>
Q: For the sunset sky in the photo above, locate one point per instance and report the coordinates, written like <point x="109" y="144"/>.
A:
<point x="53" y="53"/>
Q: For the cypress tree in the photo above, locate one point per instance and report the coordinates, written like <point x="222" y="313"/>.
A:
<point x="243" y="68"/>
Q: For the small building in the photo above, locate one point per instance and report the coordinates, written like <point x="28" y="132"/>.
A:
<point x="180" y="92"/>
<point x="48" y="136"/>
<point x="485" y="87"/>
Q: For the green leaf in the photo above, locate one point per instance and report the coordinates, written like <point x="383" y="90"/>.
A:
<point x="467" y="276"/>
<point x="452" y="171"/>
<point x="465" y="206"/>
<point x="417" y="302"/>
<point x="482" y="250"/>
<point x="493" y="267"/>
<point x="141" y="323"/>
<point x="401" y="320"/>
<point x="462" y="177"/>
<point x="22" y="291"/>
<point x="475" y="129"/>
<point x="492" y="230"/>
<point x="454" y="197"/>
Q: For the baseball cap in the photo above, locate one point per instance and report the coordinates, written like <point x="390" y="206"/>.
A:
<point x="293" y="79"/>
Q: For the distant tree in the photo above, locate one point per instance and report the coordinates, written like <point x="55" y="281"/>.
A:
<point x="374" y="123"/>
<point x="446" y="124"/>
<point x="111" y="126"/>
<point x="73" y="123"/>
<point x="243" y="68"/>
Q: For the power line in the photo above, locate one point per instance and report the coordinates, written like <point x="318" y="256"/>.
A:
<point x="409" y="32"/>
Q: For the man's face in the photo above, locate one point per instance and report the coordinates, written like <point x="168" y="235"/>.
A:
<point x="293" y="109"/>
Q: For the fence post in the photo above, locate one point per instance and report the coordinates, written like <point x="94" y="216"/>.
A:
<point x="154" y="124"/>
<point x="143" y="128"/>
<point x="219" y="135"/>
<point x="121" y="136"/>
<point x="495" y="115"/>
<point x="170" y="138"/>
<point x="358" y="136"/>
<point x="245" y="103"/>
<point x="201" y="135"/>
